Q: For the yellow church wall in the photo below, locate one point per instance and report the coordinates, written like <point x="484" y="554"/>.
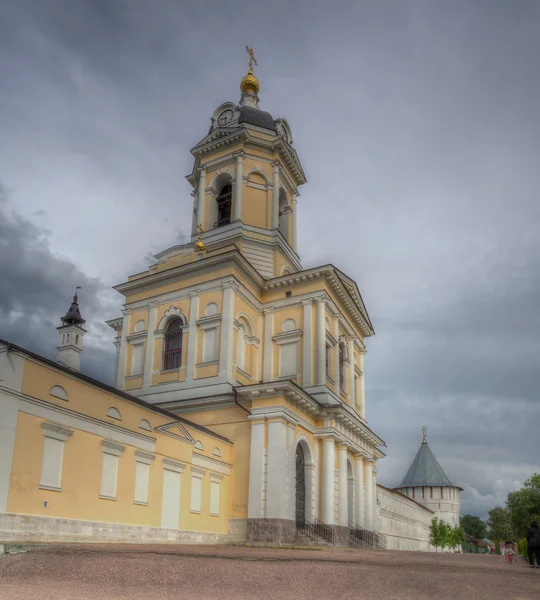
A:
<point x="178" y="285"/>
<point x="233" y="424"/>
<point x="81" y="482"/>
<point x="280" y="261"/>
<point x="280" y="316"/>
<point x="182" y="304"/>
<point x="133" y="383"/>
<point x="208" y="297"/>
<point x="206" y="158"/>
<point x="135" y="317"/>
<point x="255" y="207"/>
<point x="206" y="371"/>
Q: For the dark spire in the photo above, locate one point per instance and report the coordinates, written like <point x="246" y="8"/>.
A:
<point x="73" y="315"/>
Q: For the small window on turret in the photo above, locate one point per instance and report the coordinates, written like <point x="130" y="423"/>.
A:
<point x="288" y="294"/>
<point x="76" y="339"/>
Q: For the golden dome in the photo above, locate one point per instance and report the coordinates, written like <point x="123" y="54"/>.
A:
<point x="249" y="83"/>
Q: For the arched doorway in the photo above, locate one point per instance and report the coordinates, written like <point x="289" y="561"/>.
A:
<point x="300" y="484"/>
<point x="350" y="493"/>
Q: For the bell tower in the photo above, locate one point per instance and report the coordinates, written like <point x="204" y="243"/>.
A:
<point x="70" y="336"/>
<point x="245" y="177"/>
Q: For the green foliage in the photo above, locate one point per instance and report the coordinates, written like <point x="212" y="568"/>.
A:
<point x="474" y="526"/>
<point x="524" y="505"/>
<point x="499" y="525"/>
<point x="442" y="535"/>
<point x="522" y="547"/>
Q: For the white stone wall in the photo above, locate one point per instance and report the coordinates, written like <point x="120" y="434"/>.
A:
<point x="403" y="521"/>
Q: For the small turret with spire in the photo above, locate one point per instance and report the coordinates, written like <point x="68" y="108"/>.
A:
<point x="71" y="335"/>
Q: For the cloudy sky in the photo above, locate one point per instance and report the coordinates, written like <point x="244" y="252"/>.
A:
<point x="417" y="124"/>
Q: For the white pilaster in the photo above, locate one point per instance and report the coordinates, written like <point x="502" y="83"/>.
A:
<point x="192" y="335"/>
<point x="291" y="474"/>
<point x="194" y="218"/>
<point x="359" y="497"/>
<point x="121" y="373"/>
<point x="350" y="373"/>
<point x="321" y="341"/>
<point x="268" y="344"/>
<point x="307" y="358"/>
<point x="328" y="503"/>
<point x="149" y="356"/>
<point x="276" y="488"/>
<point x="361" y="386"/>
<point x="226" y="342"/>
<point x="256" y="461"/>
<point x="343" y="486"/>
<point x="275" y="196"/>
<point x="294" y="204"/>
<point x="237" y="208"/>
<point x="375" y="505"/>
<point x="337" y="385"/>
<point x="369" y="496"/>
<point x="201" y="204"/>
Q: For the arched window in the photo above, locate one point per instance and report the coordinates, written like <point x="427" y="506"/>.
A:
<point x="342" y="365"/>
<point x="283" y="225"/>
<point x="241" y="348"/>
<point x="224" y="206"/>
<point x="172" y="344"/>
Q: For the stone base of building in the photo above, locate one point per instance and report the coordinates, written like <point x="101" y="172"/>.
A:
<point x="15" y="528"/>
<point x="271" y="532"/>
<point x="237" y="531"/>
<point x="342" y="535"/>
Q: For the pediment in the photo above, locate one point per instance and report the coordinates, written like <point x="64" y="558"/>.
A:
<point x="351" y="287"/>
<point x="177" y="431"/>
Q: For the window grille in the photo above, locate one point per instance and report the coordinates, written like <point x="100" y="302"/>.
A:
<point x="172" y="347"/>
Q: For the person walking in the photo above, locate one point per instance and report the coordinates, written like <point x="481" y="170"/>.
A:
<point x="533" y="544"/>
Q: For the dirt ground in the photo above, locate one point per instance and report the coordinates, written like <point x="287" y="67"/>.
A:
<point x="164" y="572"/>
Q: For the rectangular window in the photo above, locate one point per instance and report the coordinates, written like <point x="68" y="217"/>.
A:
<point x="170" y="509"/>
<point x="288" y="359"/>
<point x="214" y="496"/>
<point x="209" y="344"/>
<point x="196" y="490"/>
<point x="328" y="350"/>
<point x="55" y="437"/>
<point x="109" y="473"/>
<point x="137" y="358"/>
<point x="51" y="466"/>
<point x="142" y="476"/>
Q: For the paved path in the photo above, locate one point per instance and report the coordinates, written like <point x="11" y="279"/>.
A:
<point x="165" y="572"/>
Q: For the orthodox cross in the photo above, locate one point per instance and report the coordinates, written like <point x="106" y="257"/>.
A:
<point x="251" y="57"/>
<point x="424" y="434"/>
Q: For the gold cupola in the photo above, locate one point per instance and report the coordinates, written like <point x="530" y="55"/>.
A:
<point x="249" y="83"/>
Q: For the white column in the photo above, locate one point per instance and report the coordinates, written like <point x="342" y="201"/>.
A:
<point x="328" y="474"/>
<point x="256" y="462"/>
<point x="150" y="341"/>
<point x="268" y="347"/>
<point x="350" y="351"/>
<point x="375" y="505"/>
<point x="359" y="481"/>
<point x="369" y="496"/>
<point x="200" y="209"/>
<point x="276" y="486"/>
<point x="117" y="345"/>
<point x="291" y="474"/>
<point x="343" y="486"/>
<point x="192" y="335"/>
<point x="337" y="388"/>
<point x="226" y="342"/>
<point x="307" y="358"/>
<point x="237" y="213"/>
<point x="321" y="341"/>
<point x="294" y="204"/>
<point x="361" y="386"/>
<point x="275" y="197"/>
<point x="121" y="373"/>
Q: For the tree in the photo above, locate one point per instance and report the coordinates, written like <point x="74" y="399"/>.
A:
<point x="457" y="537"/>
<point x="446" y="534"/>
<point x="474" y="526"/>
<point x="524" y="505"/>
<point x="435" y="537"/>
<point x="499" y="524"/>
